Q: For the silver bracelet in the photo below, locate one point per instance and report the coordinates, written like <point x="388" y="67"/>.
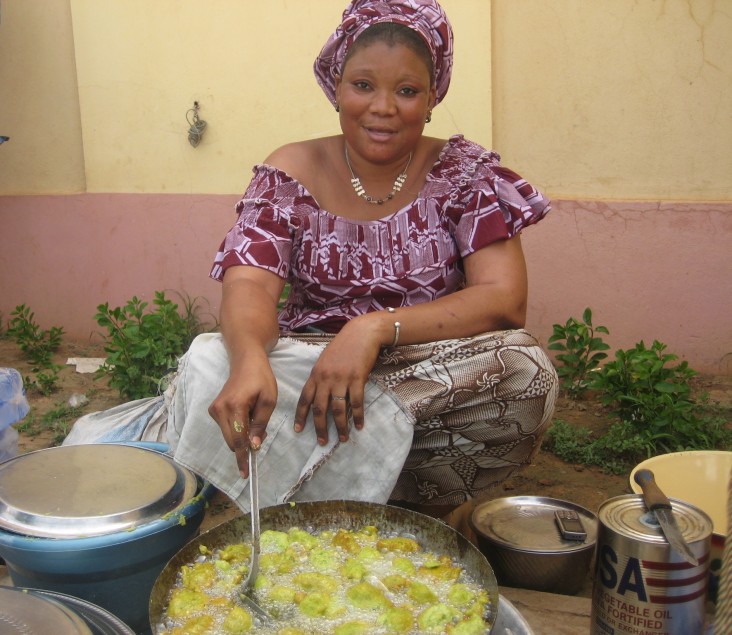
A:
<point x="397" y="326"/>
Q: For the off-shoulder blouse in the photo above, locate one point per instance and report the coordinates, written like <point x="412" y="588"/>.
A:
<point x="339" y="268"/>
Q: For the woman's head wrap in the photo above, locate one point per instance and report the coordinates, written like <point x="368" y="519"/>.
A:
<point x="426" y="17"/>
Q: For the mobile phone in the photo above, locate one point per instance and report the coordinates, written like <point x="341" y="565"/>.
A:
<point x="570" y="525"/>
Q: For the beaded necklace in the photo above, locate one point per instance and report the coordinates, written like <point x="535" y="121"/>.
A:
<point x="358" y="188"/>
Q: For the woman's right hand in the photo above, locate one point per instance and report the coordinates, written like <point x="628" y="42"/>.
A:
<point x="249" y="325"/>
<point x="244" y="406"/>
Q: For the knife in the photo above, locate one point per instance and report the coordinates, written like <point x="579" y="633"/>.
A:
<point x="659" y="504"/>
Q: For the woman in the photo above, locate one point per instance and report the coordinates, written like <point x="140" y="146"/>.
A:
<point x="384" y="70"/>
<point x="397" y="368"/>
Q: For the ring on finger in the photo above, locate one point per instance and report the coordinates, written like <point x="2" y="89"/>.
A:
<point x="334" y="398"/>
<point x="238" y="427"/>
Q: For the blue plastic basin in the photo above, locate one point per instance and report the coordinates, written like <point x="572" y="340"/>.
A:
<point x="115" y="571"/>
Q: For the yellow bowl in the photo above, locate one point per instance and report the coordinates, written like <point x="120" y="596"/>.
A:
<point x="700" y="478"/>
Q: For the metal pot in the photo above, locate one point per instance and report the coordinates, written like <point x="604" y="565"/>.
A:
<point x="321" y="515"/>
<point x="521" y="540"/>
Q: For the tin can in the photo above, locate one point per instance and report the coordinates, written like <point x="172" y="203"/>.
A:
<point x="642" y="586"/>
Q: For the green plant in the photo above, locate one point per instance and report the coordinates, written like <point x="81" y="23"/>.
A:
<point x="581" y="352"/>
<point x="656" y="410"/>
<point x="142" y="347"/>
<point x="192" y="314"/>
<point x="284" y="295"/>
<point x="57" y="421"/>
<point x="639" y="382"/>
<point x="579" y="446"/>
<point x="654" y="399"/>
<point x="570" y="444"/>
<point x="38" y="347"/>
<point x="44" y="381"/>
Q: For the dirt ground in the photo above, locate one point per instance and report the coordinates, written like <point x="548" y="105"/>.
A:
<point x="50" y="419"/>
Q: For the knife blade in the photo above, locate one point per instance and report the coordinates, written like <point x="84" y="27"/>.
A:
<point x="659" y="504"/>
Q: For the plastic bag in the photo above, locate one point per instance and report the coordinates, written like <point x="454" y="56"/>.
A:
<point x="13" y="404"/>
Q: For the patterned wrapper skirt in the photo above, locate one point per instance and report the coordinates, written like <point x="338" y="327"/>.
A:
<point x="480" y="407"/>
<point x="445" y="421"/>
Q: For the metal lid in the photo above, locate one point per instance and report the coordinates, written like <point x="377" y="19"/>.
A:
<point x="527" y="523"/>
<point x="89" y="490"/>
<point x="98" y="620"/>
<point x="629" y="516"/>
<point x="27" y="614"/>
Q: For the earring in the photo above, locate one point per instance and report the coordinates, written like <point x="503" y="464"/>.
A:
<point x="429" y="117"/>
<point x="337" y="108"/>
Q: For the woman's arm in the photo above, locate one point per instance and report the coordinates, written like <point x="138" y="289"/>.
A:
<point x="494" y="298"/>
<point x="248" y="318"/>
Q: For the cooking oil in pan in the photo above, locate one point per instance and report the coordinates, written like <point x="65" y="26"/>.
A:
<point x="642" y="586"/>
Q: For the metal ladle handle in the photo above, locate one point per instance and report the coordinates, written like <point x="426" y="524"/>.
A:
<point x="248" y="583"/>
<point x="254" y="560"/>
<point x="254" y="513"/>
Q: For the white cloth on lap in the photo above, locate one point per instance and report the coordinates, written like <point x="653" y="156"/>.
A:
<point x="139" y="420"/>
<point x="292" y="466"/>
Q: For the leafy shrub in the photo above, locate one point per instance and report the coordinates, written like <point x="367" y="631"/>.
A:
<point x="570" y="444"/>
<point x="57" y="422"/>
<point x="654" y="400"/>
<point x="581" y="352"/>
<point x="639" y="385"/>
<point x="142" y="347"/>
<point x="656" y="412"/>
<point x="38" y="347"/>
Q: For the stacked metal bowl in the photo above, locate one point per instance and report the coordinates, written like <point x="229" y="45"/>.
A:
<point x="520" y="538"/>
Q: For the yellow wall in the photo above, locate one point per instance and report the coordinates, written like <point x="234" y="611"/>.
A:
<point x="39" y="106"/>
<point x="627" y="99"/>
<point x="142" y="64"/>
<point x="621" y="99"/>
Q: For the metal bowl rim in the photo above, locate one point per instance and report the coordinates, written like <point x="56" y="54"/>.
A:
<point x="507" y="502"/>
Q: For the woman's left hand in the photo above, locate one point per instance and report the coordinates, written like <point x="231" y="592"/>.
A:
<point x="494" y="297"/>
<point x="337" y="380"/>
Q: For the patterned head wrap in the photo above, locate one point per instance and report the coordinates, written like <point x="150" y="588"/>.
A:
<point x="426" y="17"/>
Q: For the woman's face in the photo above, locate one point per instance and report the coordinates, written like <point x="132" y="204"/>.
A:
<point x="384" y="96"/>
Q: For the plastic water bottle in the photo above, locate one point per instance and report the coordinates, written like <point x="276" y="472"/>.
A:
<point x="13" y="407"/>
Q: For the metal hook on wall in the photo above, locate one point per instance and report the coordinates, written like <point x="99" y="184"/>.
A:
<point x="197" y="125"/>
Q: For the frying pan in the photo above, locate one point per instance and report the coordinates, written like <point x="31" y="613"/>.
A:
<point x="432" y="534"/>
